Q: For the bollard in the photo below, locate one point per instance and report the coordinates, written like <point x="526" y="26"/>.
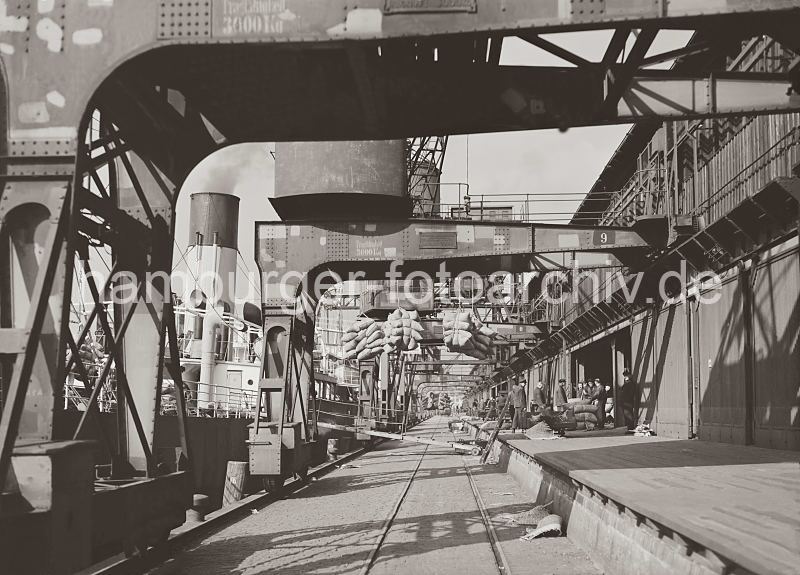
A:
<point x="333" y="449"/>
<point x="199" y="507"/>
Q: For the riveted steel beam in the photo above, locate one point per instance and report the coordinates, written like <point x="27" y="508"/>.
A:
<point x="305" y="246"/>
<point x="387" y="99"/>
<point x="658" y="95"/>
<point x="619" y="77"/>
<point x="302" y="19"/>
<point x="33" y="219"/>
<point x="151" y="125"/>
<point x="194" y="45"/>
<point x="286" y="251"/>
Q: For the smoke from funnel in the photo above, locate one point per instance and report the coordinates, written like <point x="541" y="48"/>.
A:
<point x="239" y="166"/>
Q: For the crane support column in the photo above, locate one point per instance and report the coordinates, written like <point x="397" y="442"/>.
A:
<point x="45" y="486"/>
<point x="279" y="437"/>
<point x="141" y="349"/>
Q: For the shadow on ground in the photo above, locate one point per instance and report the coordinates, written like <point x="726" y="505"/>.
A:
<point x="322" y="550"/>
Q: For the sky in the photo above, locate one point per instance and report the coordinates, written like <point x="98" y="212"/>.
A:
<point x="533" y="162"/>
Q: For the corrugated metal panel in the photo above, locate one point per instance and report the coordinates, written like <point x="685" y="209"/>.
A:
<point x="660" y="361"/>
<point x="659" y="367"/>
<point x="722" y="367"/>
<point x="642" y="342"/>
<point x="670" y="365"/>
<point x="548" y="372"/>
<point x="777" y="358"/>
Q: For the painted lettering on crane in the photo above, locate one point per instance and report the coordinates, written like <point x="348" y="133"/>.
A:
<point x="371" y="248"/>
<point x="250" y="17"/>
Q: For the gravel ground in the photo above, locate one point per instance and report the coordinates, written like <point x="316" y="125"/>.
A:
<point x="332" y="525"/>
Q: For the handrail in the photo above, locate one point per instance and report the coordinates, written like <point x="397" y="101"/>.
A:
<point x="228" y="402"/>
<point x="723" y="191"/>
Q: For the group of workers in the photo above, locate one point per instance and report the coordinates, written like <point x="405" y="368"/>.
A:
<point x="592" y="391"/>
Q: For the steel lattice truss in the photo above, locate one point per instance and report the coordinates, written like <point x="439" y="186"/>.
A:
<point x="424" y="160"/>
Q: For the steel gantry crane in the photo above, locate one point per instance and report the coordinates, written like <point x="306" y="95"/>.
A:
<point x="169" y="82"/>
<point x="425" y="158"/>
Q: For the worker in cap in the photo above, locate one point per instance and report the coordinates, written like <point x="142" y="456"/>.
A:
<point x="518" y="401"/>
<point x="561" y="393"/>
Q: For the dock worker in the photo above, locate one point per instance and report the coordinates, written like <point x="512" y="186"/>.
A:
<point x="627" y="396"/>
<point x="518" y="402"/>
<point x="599" y="397"/>
<point x="539" y="400"/>
<point x="561" y="394"/>
<point x="491" y="409"/>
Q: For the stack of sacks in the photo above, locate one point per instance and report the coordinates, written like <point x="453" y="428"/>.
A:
<point x="464" y="333"/>
<point x="363" y="340"/>
<point x="403" y="330"/>
<point x="586" y="415"/>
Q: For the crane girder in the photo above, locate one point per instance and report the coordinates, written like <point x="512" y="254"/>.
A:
<point x="332" y="250"/>
<point x="381" y="69"/>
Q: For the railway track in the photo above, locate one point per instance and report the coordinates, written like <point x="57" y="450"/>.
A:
<point x="440" y="431"/>
<point x="497" y="550"/>
<point x="501" y="562"/>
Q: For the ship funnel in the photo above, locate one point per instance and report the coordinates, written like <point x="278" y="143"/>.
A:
<point x="213" y="232"/>
<point x="214" y="220"/>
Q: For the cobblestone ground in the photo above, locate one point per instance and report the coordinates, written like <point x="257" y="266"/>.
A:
<point x="332" y="525"/>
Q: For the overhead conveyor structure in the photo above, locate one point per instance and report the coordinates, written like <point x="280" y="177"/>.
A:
<point x="109" y="105"/>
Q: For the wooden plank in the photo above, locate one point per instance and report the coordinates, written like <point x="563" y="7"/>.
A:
<point x="235" y="476"/>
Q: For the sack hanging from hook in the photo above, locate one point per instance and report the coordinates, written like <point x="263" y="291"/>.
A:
<point x="465" y="333"/>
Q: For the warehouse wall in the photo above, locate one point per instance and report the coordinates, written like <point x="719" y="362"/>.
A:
<point x="661" y="359"/>
<point x="549" y="372"/>
<point x="777" y="357"/>
<point x="721" y="346"/>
